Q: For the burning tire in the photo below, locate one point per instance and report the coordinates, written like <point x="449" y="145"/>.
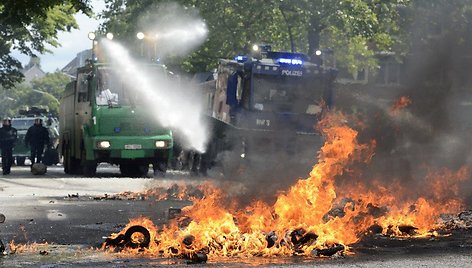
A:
<point x="137" y="236"/>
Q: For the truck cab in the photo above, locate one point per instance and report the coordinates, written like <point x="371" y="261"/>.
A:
<point x="264" y="110"/>
<point x="102" y="121"/>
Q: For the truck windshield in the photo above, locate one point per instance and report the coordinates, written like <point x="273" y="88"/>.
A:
<point x="116" y="87"/>
<point x="22" y="123"/>
<point x="287" y="94"/>
<point x="111" y="88"/>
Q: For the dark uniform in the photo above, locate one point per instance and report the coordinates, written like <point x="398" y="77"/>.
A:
<point x="37" y="137"/>
<point x="8" y="137"/>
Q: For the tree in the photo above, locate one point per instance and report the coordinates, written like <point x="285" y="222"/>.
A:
<point x="49" y="90"/>
<point x="45" y="91"/>
<point x="355" y="29"/>
<point x="28" y="26"/>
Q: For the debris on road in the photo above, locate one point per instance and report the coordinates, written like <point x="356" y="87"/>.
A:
<point x="73" y="195"/>
<point x="2" y="248"/>
<point x="194" y="258"/>
<point x="463" y="220"/>
<point x="173" y="213"/>
<point x="328" y="252"/>
<point x="38" y="169"/>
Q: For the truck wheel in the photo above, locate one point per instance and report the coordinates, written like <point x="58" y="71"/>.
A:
<point x="124" y="169"/>
<point x="75" y="166"/>
<point x="233" y="165"/>
<point x="230" y="164"/>
<point x="160" y="165"/>
<point x="50" y="157"/>
<point x="20" y="160"/>
<point x="67" y="160"/>
<point x="89" y="168"/>
<point x="143" y="170"/>
<point x="71" y="165"/>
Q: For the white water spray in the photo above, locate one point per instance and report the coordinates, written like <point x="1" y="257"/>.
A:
<point x="175" y="29"/>
<point x="175" y="104"/>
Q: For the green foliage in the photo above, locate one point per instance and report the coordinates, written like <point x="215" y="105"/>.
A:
<point x="45" y="91"/>
<point x="28" y="26"/>
<point x="354" y="29"/>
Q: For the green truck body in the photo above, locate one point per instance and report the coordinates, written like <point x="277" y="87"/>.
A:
<point x="102" y="121"/>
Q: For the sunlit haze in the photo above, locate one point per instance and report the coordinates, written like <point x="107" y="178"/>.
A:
<point x="173" y="103"/>
<point x="176" y="30"/>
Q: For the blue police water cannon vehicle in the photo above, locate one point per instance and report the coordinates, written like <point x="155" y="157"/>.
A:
<point x="263" y="109"/>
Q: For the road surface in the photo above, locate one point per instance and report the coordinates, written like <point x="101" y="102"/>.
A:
<point x="71" y="214"/>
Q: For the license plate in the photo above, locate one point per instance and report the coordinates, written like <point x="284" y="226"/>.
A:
<point x="133" y="146"/>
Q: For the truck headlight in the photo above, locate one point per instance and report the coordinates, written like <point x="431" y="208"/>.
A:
<point x="160" y="144"/>
<point x="103" y="144"/>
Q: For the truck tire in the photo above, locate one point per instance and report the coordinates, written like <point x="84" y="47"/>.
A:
<point x="71" y="165"/>
<point x="143" y="170"/>
<point x="51" y="157"/>
<point x="230" y="165"/>
<point x="192" y="162"/>
<point x="160" y="165"/>
<point x="20" y="160"/>
<point x="67" y="160"/>
<point x="233" y="165"/>
<point x="89" y="168"/>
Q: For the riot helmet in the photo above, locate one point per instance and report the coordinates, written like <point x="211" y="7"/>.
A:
<point x="6" y="121"/>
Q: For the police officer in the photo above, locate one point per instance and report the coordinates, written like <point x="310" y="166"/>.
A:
<point x="37" y="137"/>
<point x="8" y="137"/>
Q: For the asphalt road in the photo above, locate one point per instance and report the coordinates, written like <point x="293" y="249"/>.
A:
<point x="71" y="215"/>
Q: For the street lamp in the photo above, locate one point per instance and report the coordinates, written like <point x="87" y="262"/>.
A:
<point x="92" y="36"/>
<point x="95" y="38"/>
<point x="140" y="37"/>
<point x="109" y="36"/>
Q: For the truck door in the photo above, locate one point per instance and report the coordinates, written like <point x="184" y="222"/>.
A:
<point x="82" y="111"/>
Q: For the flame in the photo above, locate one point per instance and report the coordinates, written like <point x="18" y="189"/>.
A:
<point x="400" y="104"/>
<point x="21" y="248"/>
<point x="314" y="214"/>
<point x="177" y="191"/>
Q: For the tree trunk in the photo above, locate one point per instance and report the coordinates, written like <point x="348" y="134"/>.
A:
<point x="314" y="35"/>
<point x="289" y="28"/>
